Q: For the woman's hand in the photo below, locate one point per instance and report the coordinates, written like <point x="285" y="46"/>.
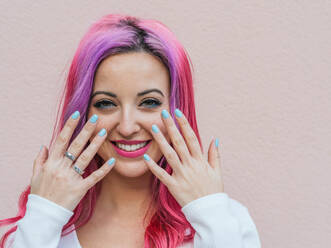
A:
<point x="54" y="177"/>
<point x="193" y="176"/>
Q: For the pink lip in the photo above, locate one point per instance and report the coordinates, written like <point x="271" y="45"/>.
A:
<point x="133" y="154"/>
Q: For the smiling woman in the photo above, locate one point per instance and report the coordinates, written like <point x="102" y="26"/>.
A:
<point x="131" y="83"/>
<point x="125" y="167"/>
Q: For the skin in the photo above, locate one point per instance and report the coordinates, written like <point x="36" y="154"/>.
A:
<point x="125" y="189"/>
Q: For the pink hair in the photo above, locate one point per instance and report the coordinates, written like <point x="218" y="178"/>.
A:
<point x="112" y="34"/>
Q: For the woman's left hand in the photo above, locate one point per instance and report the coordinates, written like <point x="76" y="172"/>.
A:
<point x="193" y="176"/>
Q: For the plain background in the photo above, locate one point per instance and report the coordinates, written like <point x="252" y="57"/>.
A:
<point x="262" y="85"/>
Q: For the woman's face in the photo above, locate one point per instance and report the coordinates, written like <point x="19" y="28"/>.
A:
<point x="129" y="116"/>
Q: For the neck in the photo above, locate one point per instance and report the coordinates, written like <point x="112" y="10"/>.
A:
<point x="124" y="198"/>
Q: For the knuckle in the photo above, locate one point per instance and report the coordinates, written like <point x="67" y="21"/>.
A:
<point x="79" y="140"/>
<point x="100" y="173"/>
<point x="94" y="178"/>
<point x="86" y="131"/>
<point x="94" y="146"/>
<point x="62" y="139"/>
<point x="58" y="176"/>
<point x="185" y="123"/>
<point x="171" y="156"/>
<point x="89" y="128"/>
<point x="191" y="138"/>
<point x="76" y="145"/>
<point x="177" y="142"/>
<point x="84" y="157"/>
<point x="162" y="177"/>
<point x="96" y="175"/>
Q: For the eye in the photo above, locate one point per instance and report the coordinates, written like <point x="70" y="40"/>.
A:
<point x="101" y="104"/>
<point x="151" y="103"/>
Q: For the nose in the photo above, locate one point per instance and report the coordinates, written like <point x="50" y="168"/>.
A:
<point x="127" y="124"/>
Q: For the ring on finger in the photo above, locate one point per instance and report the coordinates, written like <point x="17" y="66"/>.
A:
<point x="78" y="170"/>
<point x="70" y="156"/>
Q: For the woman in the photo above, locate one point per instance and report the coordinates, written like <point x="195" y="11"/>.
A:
<point x="126" y="165"/>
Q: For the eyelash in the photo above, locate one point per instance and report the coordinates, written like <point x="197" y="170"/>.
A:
<point x="155" y="104"/>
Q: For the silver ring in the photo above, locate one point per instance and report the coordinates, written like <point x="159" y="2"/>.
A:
<point x="69" y="155"/>
<point x="78" y="170"/>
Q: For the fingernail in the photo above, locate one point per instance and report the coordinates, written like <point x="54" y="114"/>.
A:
<point x="155" y="128"/>
<point x="165" y="114"/>
<point x="102" y="132"/>
<point x="75" y="115"/>
<point x="41" y="147"/>
<point x="94" y="118"/>
<point x="216" y="142"/>
<point x="146" y="157"/>
<point x="178" y="113"/>
<point x="111" y="161"/>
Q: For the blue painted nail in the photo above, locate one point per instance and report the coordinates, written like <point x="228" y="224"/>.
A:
<point x="75" y="115"/>
<point x="165" y="113"/>
<point x="41" y="147"/>
<point x="94" y="118"/>
<point x="146" y="157"/>
<point x="111" y="161"/>
<point x="178" y="113"/>
<point x="216" y="142"/>
<point x="155" y="128"/>
<point x="102" y="132"/>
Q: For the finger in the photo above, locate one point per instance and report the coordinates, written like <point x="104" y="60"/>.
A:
<point x="215" y="160"/>
<point x="62" y="141"/>
<point x="189" y="135"/>
<point x="79" y="143"/>
<point x="176" y="137"/>
<point x="40" y="160"/>
<point x="169" y="153"/>
<point x="160" y="173"/>
<point x="213" y="155"/>
<point x="98" y="174"/>
<point x="84" y="159"/>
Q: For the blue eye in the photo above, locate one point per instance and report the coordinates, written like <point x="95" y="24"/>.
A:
<point x="150" y="103"/>
<point x="103" y="103"/>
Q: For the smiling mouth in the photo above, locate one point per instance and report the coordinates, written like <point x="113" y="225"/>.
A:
<point x="130" y="148"/>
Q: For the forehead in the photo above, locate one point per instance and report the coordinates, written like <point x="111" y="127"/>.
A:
<point x="131" y="73"/>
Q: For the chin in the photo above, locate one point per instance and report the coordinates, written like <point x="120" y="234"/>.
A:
<point x="130" y="169"/>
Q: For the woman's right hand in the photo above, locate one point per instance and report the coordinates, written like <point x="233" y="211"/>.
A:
<point x="54" y="177"/>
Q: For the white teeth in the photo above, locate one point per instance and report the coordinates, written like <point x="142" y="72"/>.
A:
<point x="130" y="148"/>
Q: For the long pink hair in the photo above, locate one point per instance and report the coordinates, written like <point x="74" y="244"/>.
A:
<point x="113" y="34"/>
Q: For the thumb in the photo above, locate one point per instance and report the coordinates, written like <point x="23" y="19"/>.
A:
<point x="213" y="154"/>
<point x="40" y="159"/>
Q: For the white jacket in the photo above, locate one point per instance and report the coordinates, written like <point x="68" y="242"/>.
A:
<point x="219" y="222"/>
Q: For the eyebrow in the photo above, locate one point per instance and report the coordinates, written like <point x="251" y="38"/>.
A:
<point x="108" y="93"/>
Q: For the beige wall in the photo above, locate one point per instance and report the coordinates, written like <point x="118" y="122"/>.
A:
<point x="262" y="71"/>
